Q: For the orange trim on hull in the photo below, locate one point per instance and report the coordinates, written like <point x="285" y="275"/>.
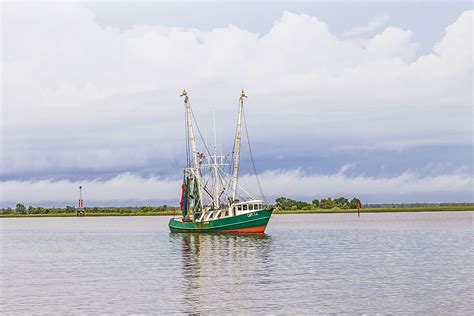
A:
<point x="251" y="230"/>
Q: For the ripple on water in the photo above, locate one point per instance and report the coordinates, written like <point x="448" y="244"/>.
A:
<point x="397" y="263"/>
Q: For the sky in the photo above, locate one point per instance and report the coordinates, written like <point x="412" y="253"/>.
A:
<point x="367" y="99"/>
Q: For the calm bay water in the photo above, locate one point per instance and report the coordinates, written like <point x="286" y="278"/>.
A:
<point x="397" y="263"/>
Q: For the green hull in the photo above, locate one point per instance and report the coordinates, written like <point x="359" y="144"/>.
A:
<point x="254" y="222"/>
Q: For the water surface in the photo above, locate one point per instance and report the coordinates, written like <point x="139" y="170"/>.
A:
<point x="306" y="263"/>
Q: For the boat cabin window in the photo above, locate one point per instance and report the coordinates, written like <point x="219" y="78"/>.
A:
<point x="239" y="207"/>
<point x="244" y="207"/>
<point x="256" y="207"/>
<point x="251" y="207"/>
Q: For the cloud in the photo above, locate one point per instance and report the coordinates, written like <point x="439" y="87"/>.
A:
<point x="407" y="186"/>
<point x="125" y="187"/>
<point x="79" y="97"/>
<point x="131" y="189"/>
<point x="371" y="26"/>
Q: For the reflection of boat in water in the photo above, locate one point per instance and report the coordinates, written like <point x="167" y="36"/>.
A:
<point x="220" y="269"/>
<point x="210" y="199"/>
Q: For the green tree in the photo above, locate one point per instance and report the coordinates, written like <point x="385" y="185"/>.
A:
<point x="300" y="205"/>
<point x="327" y="203"/>
<point x="20" y="209"/>
<point x="315" y="203"/>
<point x="284" y="203"/>
<point x="147" y="208"/>
<point x="70" y="209"/>
<point x="342" y="202"/>
<point x="354" y="202"/>
<point x="6" y="211"/>
<point x="31" y="210"/>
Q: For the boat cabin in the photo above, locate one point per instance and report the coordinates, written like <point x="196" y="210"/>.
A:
<point x="234" y="210"/>
<point x="246" y="207"/>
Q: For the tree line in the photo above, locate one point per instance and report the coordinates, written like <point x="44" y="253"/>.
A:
<point x="284" y="203"/>
<point x="281" y="203"/>
<point x="23" y="210"/>
<point x="395" y="205"/>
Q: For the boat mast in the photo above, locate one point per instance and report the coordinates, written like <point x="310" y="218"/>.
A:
<point x="236" y="150"/>
<point x="196" y="169"/>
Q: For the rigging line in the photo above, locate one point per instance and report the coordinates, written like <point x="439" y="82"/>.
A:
<point x="245" y="191"/>
<point x="204" y="185"/>
<point x="226" y="188"/>
<point x="223" y="179"/>
<point x="207" y="191"/>
<point x="228" y="179"/>
<point x="200" y="134"/>
<point x="220" y="177"/>
<point x="228" y="171"/>
<point x="251" y="157"/>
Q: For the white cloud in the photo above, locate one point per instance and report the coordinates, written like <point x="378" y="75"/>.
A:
<point x="80" y="96"/>
<point x="392" y="43"/>
<point x="373" y="25"/>
<point x="130" y="188"/>
<point x="404" y="187"/>
<point x="124" y="187"/>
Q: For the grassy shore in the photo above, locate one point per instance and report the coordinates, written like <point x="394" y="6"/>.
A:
<point x="454" y="208"/>
<point x="89" y="214"/>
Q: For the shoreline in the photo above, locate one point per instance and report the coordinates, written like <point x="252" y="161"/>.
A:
<point x="454" y="208"/>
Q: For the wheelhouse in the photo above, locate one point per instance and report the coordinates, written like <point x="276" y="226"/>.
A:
<point x="234" y="210"/>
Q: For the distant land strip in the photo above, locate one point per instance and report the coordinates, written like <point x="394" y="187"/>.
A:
<point x="159" y="211"/>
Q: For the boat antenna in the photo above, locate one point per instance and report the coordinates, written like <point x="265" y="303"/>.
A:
<point x="215" y="137"/>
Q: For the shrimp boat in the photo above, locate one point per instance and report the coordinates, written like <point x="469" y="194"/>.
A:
<point x="210" y="199"/>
